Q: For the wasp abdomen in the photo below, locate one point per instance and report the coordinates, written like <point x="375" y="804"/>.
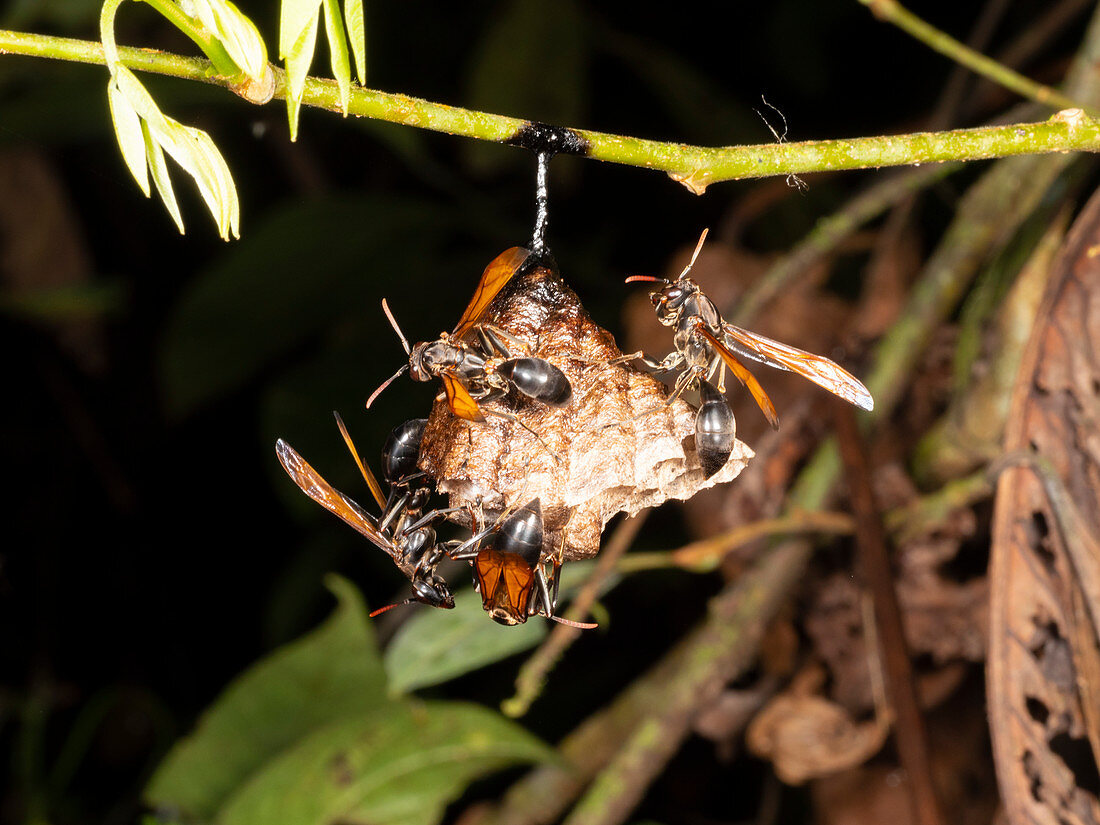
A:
<point x="714" y="429"/>
<point x="538" y="379"/>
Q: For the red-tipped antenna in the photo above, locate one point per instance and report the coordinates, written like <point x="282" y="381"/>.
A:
<point x="569" y="623"/>
<point x="396" y="328"/>
<point x="382" y="610"/>
<point x="404" y="343"/>
<point x="385" y="384"/>
<point x="695" y="254"/>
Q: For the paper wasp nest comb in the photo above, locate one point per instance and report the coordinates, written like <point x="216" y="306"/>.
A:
<point x="618" y="447"/>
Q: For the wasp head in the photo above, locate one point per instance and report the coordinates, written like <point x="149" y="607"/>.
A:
<point x="669" y="302"/>
<point x="432" y="590"/>
<point x="429" y="359"/>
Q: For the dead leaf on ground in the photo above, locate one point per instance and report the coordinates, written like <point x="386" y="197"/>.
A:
<point x="945" y="620"/>
<point x="1042" y="709"/>
<point x="879" y="792"/>
<point x="805" y="736"/>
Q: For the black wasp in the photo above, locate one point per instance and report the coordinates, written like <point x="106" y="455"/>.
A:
<point x="403" y="530"/>
<point x="509" y="571"/>
<point x="475" y="361"/>
<point x="706" y="344"/>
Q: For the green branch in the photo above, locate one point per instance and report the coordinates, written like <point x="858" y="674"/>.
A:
<point x="694" y="166"/>
<point x="893" y="12"/>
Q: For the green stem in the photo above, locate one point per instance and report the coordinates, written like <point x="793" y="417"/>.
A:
<point x="694" y="166"/>
<point x="893" y="12"/>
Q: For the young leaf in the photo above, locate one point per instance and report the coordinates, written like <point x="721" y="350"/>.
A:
<point x="155" y="156"/>
<point x="298" y="56"/>
<point x="131" y="136"/>
<point x="357" y="36"/>
<point x="191" y="148"/>
<point x="338" y="50"/>
<point x="237" y="34"/>
<point x="330" y="675"/>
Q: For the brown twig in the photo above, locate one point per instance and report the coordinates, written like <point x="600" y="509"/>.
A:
<point x="532" y="676"/>
<point x="912" y="741"/>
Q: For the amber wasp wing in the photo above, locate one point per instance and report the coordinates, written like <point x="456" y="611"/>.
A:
<point x="825" y="373"/>
<point x="498" y="273"/>
<point x="311" y="483"/>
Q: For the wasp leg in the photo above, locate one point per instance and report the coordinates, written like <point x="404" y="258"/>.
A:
<point x="549" y="603"/>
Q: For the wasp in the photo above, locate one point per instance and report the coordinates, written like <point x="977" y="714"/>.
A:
<point x="509" y="572"/>
<point x="404" y="530"/>
<point x="475" y="360"/>
<point x="706" y="344"/>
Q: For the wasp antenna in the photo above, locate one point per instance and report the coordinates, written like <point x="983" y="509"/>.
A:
<point x="695" y="254"/>
<point x="634" y="278"/>
<point x="570" y="623"/>
<point x="385" y="384"/>
<point x="382" y="610"/>
<point x="396" y="328"/>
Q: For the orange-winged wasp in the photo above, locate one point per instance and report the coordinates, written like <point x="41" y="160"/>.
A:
<point x="403" y="530"/>
<point x="475" y="361"/>
<point x="706" y="345"/>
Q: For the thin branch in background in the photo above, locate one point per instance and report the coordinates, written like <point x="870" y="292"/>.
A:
<point x="532" y="675"/>
<point x="705" y="555"/>
<point x="830" y="232"/>
<point x="893" y="12"/>
<point x="951" y="98"/>
<point x="912" y="740"/>
<point x="1041" y="31"/>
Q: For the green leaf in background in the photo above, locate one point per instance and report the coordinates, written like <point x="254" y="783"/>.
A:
<point x="309" y="736"/>
<point x="435" y="646"/>
<point x="332" y="674"/>
<point x="394" y="769"/>
<point x="531" y="64"/>
<point x="309" y="265"/>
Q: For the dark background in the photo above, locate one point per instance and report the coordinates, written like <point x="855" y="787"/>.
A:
<point x="153" y="547"/>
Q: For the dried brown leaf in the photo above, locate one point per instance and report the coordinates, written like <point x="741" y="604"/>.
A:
<point x="1042" y="710"/>
<point x="806" y="736"/>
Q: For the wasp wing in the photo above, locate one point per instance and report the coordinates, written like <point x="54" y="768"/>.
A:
<point x="743" y="375"/>
<point x="368" y="476"/>
<point x="459" y="399"/>
<point x="329" y="497"/>
<point x="505" y="581"/>
<point x="499" y="272"/>
<point x="519" y="581"/>
<point x="819" y="369"/>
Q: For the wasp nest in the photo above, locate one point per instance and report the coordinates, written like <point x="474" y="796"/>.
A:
<point x="619" y="447"/>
